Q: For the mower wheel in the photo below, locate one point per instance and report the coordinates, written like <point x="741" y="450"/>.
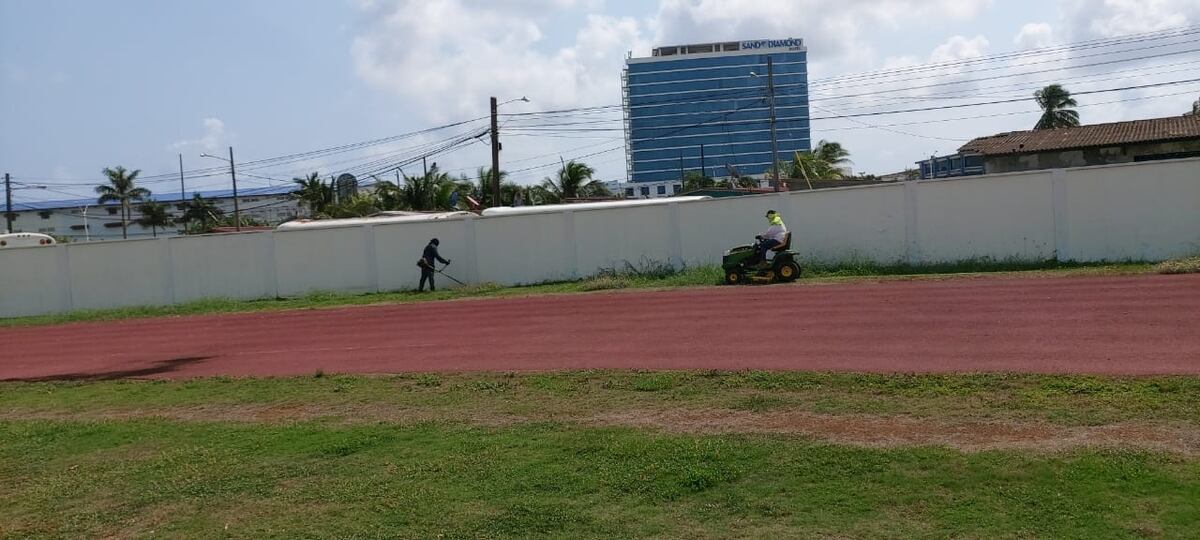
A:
<point x="734" y="277"/>
<point x="788" y="272"/>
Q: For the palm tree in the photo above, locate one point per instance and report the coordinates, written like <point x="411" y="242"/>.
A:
<point x="154" y="215"/>
<point x="574" y="180"/>
<point x="833" y="154"/>
<point x="388" y="195"/>
<point x="313" y="193"/>
<point x="200" y="215"/>
<point x="358" y="205"/>
<point x="1054" y="101"/>
<point x="121" y="188"/>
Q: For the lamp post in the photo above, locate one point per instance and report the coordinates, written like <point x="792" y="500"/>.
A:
<point x="237" y="212"/>
<point x="496" y="148"/>
<point x="87" y="232"/>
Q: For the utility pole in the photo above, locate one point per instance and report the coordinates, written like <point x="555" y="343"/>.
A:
<point x="771" y="104"/>
<point x="8" y="215"/>
<point x="703" y="169"/>
<point x="182" y="191"/>
<point x="495" y="156"/>
<point x="237" y="210"/>
<point x="425" y="167"/>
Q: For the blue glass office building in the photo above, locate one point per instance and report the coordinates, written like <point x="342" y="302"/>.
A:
<point x="693" y="107"/>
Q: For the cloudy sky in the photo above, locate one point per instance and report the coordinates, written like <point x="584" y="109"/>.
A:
<point x="90" y="84"/>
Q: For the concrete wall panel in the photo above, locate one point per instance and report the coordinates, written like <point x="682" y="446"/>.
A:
<point x="117" y="274"/>
<point x="322" y="260"/>
<point x="223" y="266"/>
<point x="1007" y="216"/>
<point x="33" y="281"/>
<point x="1142" y="211"/>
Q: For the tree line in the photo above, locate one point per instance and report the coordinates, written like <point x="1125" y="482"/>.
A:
<point x="438" y="190"/>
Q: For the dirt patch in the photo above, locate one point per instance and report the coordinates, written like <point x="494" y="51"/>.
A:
<point x="893" y="431"/>
<point x="881" y="431"/>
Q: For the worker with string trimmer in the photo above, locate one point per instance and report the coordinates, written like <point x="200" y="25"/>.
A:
<point x="426" y="262"/>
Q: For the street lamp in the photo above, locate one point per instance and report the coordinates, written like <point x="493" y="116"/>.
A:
<point x="496" y="148"/>
<point x="237" y="211"/>
<point x="771" y="105"/>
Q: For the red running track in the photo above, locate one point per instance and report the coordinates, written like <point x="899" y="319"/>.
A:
<point x="1137" y="325"/>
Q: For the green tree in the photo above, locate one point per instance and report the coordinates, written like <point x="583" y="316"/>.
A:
<point x="389" y="196"/>
<point x="200" y="215"/>
<point x="424" y="193"/>
<point x="121" y="188"/>
<point x="1055" y="102"/>
<point x="574" y="180"/>
<point x="834" y="155"/>
<point x="359" y="205"/>
<point x="314" y="194"/>
<point x="154" y="215"/>
<point x="694" y="180"/>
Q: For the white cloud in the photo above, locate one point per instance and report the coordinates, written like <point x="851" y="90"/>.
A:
<point x="1109" y="18"/>
<point x="449" y="56"/>
<point x="210" y="141"/>
<point x="1034" y="36"/>
<point x="841" y="36"/>
<point x="959" y="48"/>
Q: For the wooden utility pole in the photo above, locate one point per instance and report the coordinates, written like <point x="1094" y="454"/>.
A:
<point x="237" y="209"/>
<point x="182" y="191"/>
<point x="8" y="215"/>
<point x="495" y="156"/>
<point x="771" y="104"/>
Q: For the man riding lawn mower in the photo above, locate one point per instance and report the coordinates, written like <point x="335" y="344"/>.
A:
<point x="768" y="260"/>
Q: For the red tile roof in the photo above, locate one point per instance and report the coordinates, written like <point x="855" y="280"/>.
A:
<point x="1111" y="134"/>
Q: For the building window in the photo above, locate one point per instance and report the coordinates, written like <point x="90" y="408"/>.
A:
<point x="676" y="189"/>
<point x="112" y="210"/>
<point x="645" y="191"/>
<point x="46" y="229"/>
<point x="628" y="192"/>
<point x="44" y="214"/>
<point x="78" y="227"/>
<point x="662" y="190"/>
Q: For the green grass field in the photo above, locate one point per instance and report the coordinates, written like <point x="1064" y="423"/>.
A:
<point x="603" y="454"/>
<point x="635" y="278"/>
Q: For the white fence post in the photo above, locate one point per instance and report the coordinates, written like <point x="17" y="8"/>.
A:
<point x="1062" y="227"/>
<point x="472" y="249"/>
<point x="912" y="242"/>
<point x="676" y="236"/>
<point x="168" y="261"/>
<point x="372" y="259"/>
<point x="64" y="279"/>
<point x="272" y="270"/>
<point x="570" y="250"/>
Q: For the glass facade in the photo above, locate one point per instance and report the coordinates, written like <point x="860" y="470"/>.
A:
<point x="701" y="106"/>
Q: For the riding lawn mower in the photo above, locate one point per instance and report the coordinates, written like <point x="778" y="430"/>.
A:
<point x="743" y="265"/>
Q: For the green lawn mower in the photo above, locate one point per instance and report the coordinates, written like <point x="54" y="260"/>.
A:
<point x="741" y="264"/>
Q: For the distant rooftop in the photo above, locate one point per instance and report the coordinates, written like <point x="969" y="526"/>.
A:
<point x="160" y="197"/>
<point x="747" y="46"/>
<point x="1110" y="134"/>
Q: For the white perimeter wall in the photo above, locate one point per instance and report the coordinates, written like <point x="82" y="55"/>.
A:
<point x="1142" y="211"/>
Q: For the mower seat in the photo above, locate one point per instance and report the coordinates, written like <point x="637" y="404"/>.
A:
<point x="786" y="244"/>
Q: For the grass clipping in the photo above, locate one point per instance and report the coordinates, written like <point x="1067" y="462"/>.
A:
<point x="1187" y="265"/>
